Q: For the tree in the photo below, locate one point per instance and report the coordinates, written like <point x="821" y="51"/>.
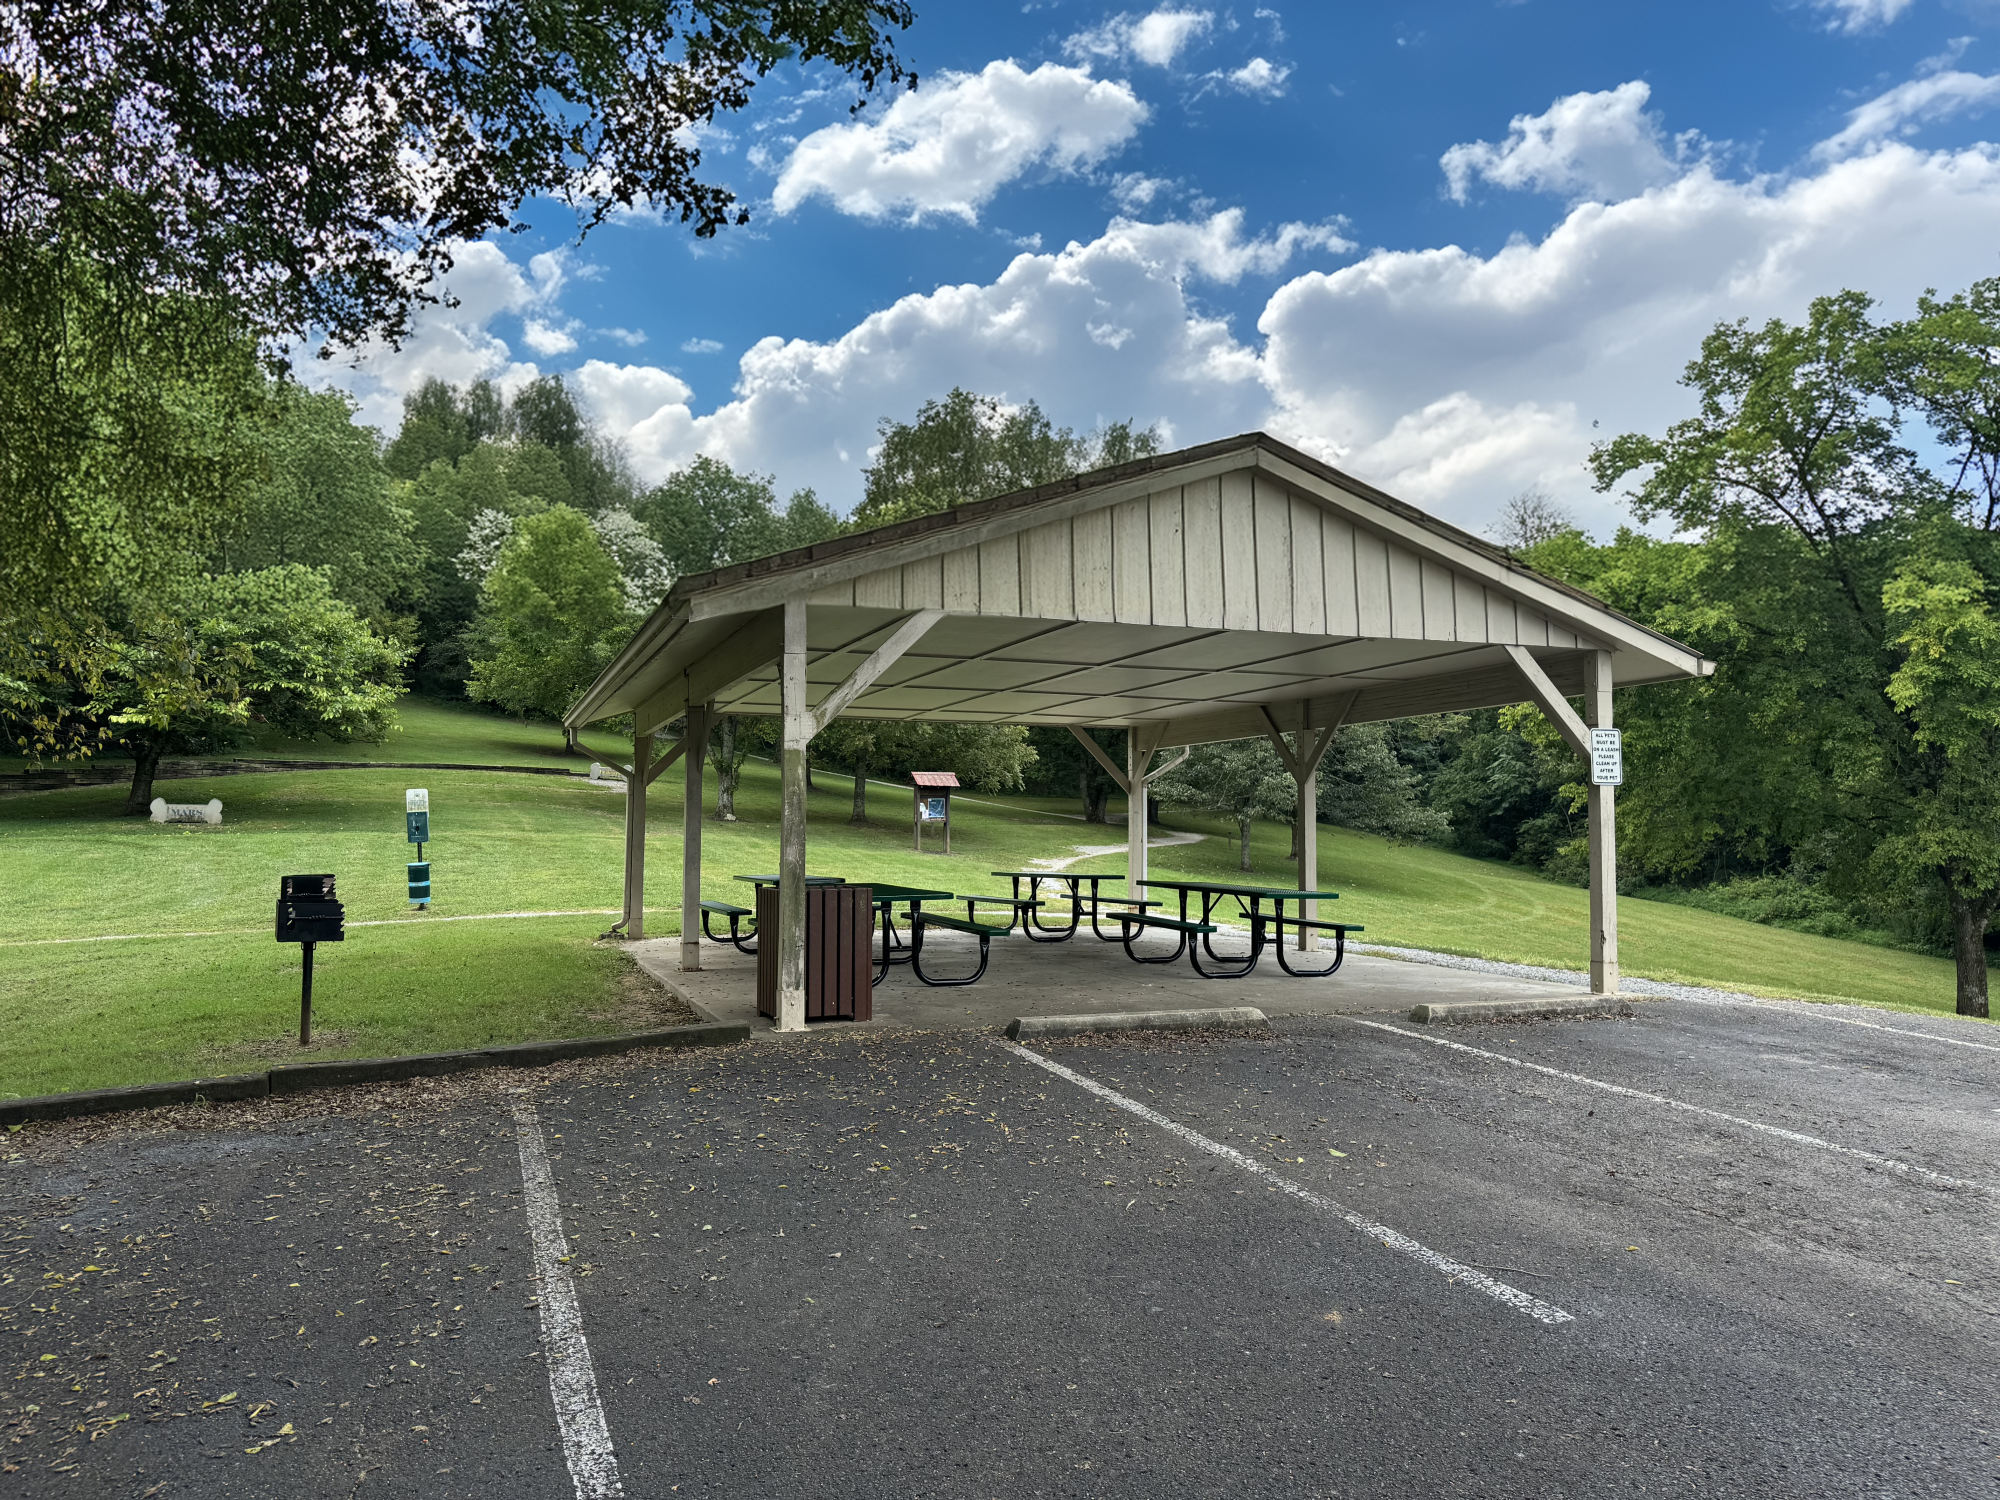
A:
<point x="1363" y="785"/>
<point x="735" y="740"/>
<point x="1062" y="767"/>
<point x="969" y="447"/>
<point x="596" y="474"/>
<point x="708" y="516"/>
<point x="191" y="670"/>
<point x="1530" y="518"/>
<point x="1240" y="779"/>
<point x="1948" y="687"/>
<point x="640" y="559"/>
<point x="1831" y="571"/>
<point x="469" y="453"/>
<point x="188" y="189"/>
<point x="311" y="166"/>
<point x="552" y="614"/>
<point x="988" y="757"/>
<point x="326" y="502"/>
<point x="1940" y="364"/>
<point x="132" y="435"/>
<point x="441" y="423"/>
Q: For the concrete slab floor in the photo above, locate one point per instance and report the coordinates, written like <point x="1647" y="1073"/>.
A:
<point x="1085" y="976"/>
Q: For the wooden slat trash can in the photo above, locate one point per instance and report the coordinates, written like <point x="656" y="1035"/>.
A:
<point x="840" y="952"/>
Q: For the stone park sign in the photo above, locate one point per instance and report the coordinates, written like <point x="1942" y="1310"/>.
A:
<point x="187" y="812"/>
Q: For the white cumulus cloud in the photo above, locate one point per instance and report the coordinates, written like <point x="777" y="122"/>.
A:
<point x="1260" y="76"/>
<point x="950" y="146"/>
<point x="1859" y="15"/>
<point x="1097" y="330"/>
<point x="1456" y="378"/>
<point x="450" y="341"/>
<point x="645" y="407"/>
<point x="1157" y="38"/>
<point x="1603" y="145"/>
<point x="1908" y="105"/>
<point x="546" y="338"/>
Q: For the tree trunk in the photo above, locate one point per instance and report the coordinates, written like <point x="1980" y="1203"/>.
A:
<point x="1243" y="829"/>
<point x="1096" y="796"/>
<point x="859" y="816"/>
<point x="146" y="762"/>
<point x="726" y="769"/>
<point x="1296" y="846"/>
<point x="1969" y="916"/>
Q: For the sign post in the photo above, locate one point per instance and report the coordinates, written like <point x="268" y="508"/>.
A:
<point x="1607" y="757"/>
<point x="417" y="819"/>
<point x="933" y="804"/>
<point x="309" y="914"/>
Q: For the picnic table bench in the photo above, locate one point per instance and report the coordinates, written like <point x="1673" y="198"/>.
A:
<point x="984" y="931"/>
<point x="1038" y="932"/>
<point x="913" y="897"/>
<point x="744" y="941"/>
<point x="1197" y="934"/>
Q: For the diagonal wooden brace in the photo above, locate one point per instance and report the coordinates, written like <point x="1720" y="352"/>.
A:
<point x="879" y="661"/>
<point x="1550" y="700"/>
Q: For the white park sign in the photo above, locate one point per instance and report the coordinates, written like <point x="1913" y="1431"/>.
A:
<point x="1607" y="757"/>
<point x="187" y="812"/>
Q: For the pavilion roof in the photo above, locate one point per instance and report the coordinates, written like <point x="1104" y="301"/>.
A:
<point x="1214" y="590"/>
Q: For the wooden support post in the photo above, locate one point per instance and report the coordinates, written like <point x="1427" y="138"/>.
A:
<point x="1603" y="839"/>
<point x="1302" y="760"/>
<point x="1141" y="741"/>
<point x="1307" y="814"/>
<point x="1603" y="810"/>
<point x="696" y="743"/>
<point x="1135" y="811"/>
<point x="797" y="733"/>
<point x="635" y="836"/>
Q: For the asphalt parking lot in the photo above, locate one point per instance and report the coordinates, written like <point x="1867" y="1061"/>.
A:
<point x="1711" y="1250"/>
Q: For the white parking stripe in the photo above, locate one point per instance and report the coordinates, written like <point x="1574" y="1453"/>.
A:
<point x="1471" y="1276"/>
<point x="1798" y="1008"/>
<point x="572" y="1378"/>
<point x="1795" y="1137"/>
<point x="1658" y="989"/>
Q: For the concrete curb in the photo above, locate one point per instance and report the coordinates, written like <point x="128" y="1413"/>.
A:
<point x="298" y="1078"/>
<point x="1232" y="1016"/>
<point x="1501" y="1010"/>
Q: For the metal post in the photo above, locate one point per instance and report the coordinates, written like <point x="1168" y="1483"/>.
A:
<point x="1603" y="838"/>
<point x="635" y="836"/>
<point x="692" y="761"/>
<point x="306" y="998"/>
<point x="797" y="733"/>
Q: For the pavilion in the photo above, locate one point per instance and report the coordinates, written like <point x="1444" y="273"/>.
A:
<point x="1236" y="589"/>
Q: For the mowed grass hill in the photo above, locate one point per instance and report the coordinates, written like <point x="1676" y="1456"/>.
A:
<point x="133" y="952"/>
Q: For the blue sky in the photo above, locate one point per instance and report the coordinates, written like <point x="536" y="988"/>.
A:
<point x="1442" y="245"/>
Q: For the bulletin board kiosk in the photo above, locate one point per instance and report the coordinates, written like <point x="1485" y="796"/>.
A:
<point x="933" y="791"/>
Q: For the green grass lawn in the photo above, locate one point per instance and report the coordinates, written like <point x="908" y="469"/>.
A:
<point x="75" y="1015"/>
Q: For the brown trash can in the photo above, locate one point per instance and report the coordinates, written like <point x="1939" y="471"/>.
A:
<point x="840" y="952"/>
